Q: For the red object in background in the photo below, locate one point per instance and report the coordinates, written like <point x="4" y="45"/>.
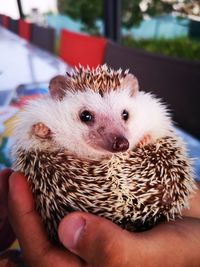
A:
<point x="81" y="49"/>
<point x="24" y="29"/>
<point x="5" y="21"/>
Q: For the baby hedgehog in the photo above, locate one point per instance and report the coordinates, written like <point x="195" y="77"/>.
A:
<point x="98" y="144"/>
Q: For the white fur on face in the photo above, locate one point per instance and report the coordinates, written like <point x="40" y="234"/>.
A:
<point x="146" y="116"/>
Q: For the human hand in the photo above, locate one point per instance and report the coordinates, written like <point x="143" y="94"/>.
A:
<point x="194" y="204"/>
<point x="37" y="250"/>
<point x="97" y="242"/>
<point x="6" y="234"/>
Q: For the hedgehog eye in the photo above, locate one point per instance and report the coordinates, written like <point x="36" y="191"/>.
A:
<point x="86" y="116"/>
<point x="125" y="115"/>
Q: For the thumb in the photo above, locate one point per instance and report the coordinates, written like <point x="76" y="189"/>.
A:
<point x="97" y="241"/>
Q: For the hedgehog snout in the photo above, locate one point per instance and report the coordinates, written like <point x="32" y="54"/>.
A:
<point x="120" y="144"/>
<point x="112" y="138"/>
<point x="110" y="141"/>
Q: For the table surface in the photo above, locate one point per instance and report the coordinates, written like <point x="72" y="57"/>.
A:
<point x="24" y="63"/>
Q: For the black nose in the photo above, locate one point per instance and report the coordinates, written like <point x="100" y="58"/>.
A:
<point x="120" y="144"/>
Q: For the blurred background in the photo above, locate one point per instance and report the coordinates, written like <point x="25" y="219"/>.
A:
<point x="169" y="27"/>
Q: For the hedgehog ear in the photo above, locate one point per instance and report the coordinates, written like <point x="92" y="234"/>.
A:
<point x="41" y="130"/>
<point x="130" y="82"/>
<point x="57" y="87"/>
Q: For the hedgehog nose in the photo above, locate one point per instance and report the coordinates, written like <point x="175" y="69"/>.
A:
<point x="120" y="144"/>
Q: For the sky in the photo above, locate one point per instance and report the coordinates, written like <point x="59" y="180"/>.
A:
<point x="9" y="7"/>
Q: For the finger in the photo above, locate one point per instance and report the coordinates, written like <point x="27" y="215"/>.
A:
<point x="96" y="240"/>
<point x="101" y="243"/>
<point x="4" y="176"/>
<point x="24" y="219"/>
<point x="29" y="229"/>
<point x="194" y="200"/>
<point x="6" y="234"/>
<point x="7" y="237"/>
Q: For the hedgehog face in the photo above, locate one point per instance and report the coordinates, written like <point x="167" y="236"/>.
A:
<point x="103" y="133"/>
<point x="100" y="123"/>
<point x="92" y="114"/>
<point x="98" y="113"/>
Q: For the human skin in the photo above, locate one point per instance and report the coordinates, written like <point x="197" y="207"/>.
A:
<point x="6" y="234"/>
<point x="92" y="241"/>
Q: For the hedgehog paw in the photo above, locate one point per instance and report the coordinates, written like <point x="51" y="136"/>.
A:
<point x="145" y="140"/>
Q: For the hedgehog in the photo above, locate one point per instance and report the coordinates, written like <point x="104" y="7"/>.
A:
<point x="98" y="144"/>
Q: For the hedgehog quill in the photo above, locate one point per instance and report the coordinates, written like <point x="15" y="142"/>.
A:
<point x="98" y="144"/>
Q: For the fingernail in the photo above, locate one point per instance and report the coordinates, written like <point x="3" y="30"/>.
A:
<point x="71" y="230"/>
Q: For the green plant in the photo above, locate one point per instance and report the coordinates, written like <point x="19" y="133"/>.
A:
<point x="181" y="47"/>
<point x="86" y="11"/>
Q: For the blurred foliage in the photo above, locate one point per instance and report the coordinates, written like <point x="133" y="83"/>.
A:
<point x="88" y="12"/>
<point x="133" y="13"/>
<point x="181" y="47"/>
<point x="187" y="7"/>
